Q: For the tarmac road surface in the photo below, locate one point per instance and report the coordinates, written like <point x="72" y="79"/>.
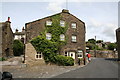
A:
<point x="97" y="68"/>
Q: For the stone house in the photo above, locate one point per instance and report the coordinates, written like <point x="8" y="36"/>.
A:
<point x="20" y="35"/>
<point x="6" y="39"/>
<point x="75" y="46"/>
<point x="118" y="41"/>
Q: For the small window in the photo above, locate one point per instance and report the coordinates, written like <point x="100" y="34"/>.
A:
<point x="62" y="23"/>
<point x="48" y="23"/>
<point x="66" y="53"/>
<point x="73" y="25"/>
<point x="48" y="36"/>
<point x="38" y="55"/>
<point x="74" y="39"/>
<point x="80" y="54"/>
<point x="62" y="37"/>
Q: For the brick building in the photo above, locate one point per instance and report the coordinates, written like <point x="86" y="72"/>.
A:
<point x="118" y="41"/>
<point x="6" y="39"/>
<point x="75" y="46"/>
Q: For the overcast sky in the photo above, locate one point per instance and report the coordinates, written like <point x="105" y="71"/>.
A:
<point x="101" y="18"/>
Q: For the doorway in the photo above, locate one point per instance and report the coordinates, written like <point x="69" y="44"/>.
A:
<point x="72" y="54"/>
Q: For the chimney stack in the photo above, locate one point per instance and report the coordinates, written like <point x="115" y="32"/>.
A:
<point x="65" y="11"/>
<point x="16" y="30"/>
<point x="8" y="19"/>
<point x="23" y="29"/>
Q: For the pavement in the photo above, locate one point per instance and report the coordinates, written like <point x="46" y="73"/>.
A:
<point x="97" y="68"/>
<point x="37" y="71"/>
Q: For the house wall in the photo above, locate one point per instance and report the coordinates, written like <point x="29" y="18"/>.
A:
<point x="34" y="28"/>
<point x="0" y="40"/>
<point x="118" y="41"/>
<point x="79" y="32"/>
<point x="7" y="39"/>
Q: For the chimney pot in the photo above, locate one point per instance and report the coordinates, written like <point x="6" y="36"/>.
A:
<point x="16" y="30"/>
<point x="9" y="19"/>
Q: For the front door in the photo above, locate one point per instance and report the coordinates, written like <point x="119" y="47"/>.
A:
<point x="72" y="54"/>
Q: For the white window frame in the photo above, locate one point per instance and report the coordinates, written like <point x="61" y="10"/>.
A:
<point x="66" y="54"/>
<point x="48" y="36"/>
<point x="62" y="23"/>
<point x="62" y="37"/>
<point x="73" y="25"/>
<point x="49" y="23"/>
<point x="74" y="38"/>
<point x="38" y="54"/>
<point x="80" y="52"/>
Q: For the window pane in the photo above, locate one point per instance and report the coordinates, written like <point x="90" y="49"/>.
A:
<point x="40" y="56"/>
<point x="62" y="23"/>
<point x="80" y="54"/>
<point x="66" y="54"/>
<point x="37" y="52"/>
<point x="73" y="25"/>
<point x="62" y="37"/>
<point x="36" y="56"/>
<point x="49" y="23"/>
<point x="73" y="38"/>
<point x="48" y="36"/>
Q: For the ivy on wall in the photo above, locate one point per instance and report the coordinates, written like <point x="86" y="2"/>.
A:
<point x="50" y="48"/>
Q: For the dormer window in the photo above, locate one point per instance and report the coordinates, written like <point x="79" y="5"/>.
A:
<point x="48" y="23"/>
<point x="62" y="23"/>
<point x="48" y="36"/>
<point x="74" y="38"/>
<point x="73" y="25"/>
<point x="62" y="37"/>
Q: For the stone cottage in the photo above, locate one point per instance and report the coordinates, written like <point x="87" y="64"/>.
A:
<point x="118" y="41"/>
<point x="75" y="33"/>
<point x="6" y="39"/>
<point x="20" y="35"/>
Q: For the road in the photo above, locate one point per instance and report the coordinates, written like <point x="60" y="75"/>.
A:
<point x="97" y="68"/>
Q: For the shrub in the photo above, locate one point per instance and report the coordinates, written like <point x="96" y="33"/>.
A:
<point x="112" y="46"/>
<point x="18" y="48"/>
<point x="2" y="59"/>
<point x="63" y="60"/>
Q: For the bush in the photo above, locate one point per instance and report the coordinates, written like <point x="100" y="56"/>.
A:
<point x="63" y="60"/>
<point x="2" y="59"/>
<point x="112" y="46"/>
<point x="18" y="48"/>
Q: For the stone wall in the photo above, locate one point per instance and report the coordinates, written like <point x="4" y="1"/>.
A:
<point x="7" y="39"/>
<point x="34" y="28"/>
<point x="30" y="53"/>
<point x="0" y="40"/>
<point x="118" y="41"/>
<point x="104" y="54"/>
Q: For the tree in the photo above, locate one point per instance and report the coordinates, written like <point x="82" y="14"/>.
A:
<point x="99" y="41"/>
<point x="91" y="41"/>
<point x="112" y="46"/>
<point x="91" y="46"/>
<point x="18" y="48"/>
